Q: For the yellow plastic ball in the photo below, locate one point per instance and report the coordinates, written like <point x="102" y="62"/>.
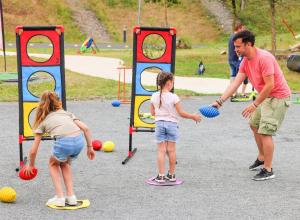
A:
<point x="108" y="146"/>
<point x="7" y="194"/>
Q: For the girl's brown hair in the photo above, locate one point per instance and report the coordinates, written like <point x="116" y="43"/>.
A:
<point x="49" y="103"/>
<point x="162" y="78"/>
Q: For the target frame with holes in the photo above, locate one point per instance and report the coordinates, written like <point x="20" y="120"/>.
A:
<point x="141" y="62"/>
<point x="53" y="65"/>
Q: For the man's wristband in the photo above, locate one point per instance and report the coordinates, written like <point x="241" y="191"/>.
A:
<point x="220" y="101"/>
<point x="254" y="105"/>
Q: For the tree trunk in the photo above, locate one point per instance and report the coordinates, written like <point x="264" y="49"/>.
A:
<point x="166" y="14"/>
<point x="233" y="3"/>
<point x="273" y="27"/>
<point x="242" y="5"/>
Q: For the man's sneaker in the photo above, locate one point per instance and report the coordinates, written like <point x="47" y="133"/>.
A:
<point x="57" y="201"/>
<point x="256" y="164"/>
<point x="264" y="175"/>
<point x="71" y="200"/>
<point x="170" y="177"/>
<point x="160" y="179"/>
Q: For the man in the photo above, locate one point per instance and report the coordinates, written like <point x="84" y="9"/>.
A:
<point x="267" y="111"/>
<point x="234" y="60"/>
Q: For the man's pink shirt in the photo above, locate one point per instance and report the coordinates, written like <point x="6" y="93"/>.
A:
<point x="265" y="64"/>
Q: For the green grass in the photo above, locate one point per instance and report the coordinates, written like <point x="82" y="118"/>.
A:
<point x="257" y="15"/>
<point x="78" y="86"/>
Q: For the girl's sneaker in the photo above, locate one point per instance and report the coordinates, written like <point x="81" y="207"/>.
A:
<point x="160" y="179"/>
<point x="71" y="200"/>
<point x="60" y="202"/>
<point x="171" y="177"/>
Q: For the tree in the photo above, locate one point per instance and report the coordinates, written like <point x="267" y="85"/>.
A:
<point x="233" y="3"/>
<point x="273" y="25"/>
<point x="242" y="5"/>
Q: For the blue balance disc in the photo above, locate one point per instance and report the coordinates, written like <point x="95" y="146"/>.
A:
<point x="209" y="111"/>
<point x="116" y="103"/>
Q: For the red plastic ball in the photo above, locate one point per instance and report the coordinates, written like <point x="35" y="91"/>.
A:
<point x="29" y="176"/>
<point x="97" y="145"/>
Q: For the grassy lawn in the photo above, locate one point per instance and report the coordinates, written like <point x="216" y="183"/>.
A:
<point x="78" y="86"/>
<point x="86" y="87"/>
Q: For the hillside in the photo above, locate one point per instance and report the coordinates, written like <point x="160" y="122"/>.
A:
<point x="39" y="12"/>
<point x="257" y="15"/>
<point x="191" y="20"/>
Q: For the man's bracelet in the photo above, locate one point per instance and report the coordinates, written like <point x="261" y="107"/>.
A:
<point x="220" y="101"/>
<point x="254" y="105"/>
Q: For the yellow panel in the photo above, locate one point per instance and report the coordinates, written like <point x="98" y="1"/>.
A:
<point x="137" y="122"/>
<point x="80" y="204"/>
<point x="27" y="108"/>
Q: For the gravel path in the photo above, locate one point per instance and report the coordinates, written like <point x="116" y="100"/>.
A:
<point x="88" y="22"/>
<point x="220" y="12"/>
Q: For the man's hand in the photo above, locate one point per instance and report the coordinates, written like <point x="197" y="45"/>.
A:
<point x="248" y="110"/>
<point x="216" y="104"/>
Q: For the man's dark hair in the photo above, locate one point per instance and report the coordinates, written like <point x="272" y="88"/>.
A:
<point x="246" y="36"/>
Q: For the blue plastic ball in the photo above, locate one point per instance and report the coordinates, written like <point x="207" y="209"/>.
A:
<point x="116" y="103"/>
<point x="209" y="111"/>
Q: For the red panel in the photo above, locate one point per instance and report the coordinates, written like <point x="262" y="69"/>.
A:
<point x="165" y="58"/>
<point x="53" y="36"/>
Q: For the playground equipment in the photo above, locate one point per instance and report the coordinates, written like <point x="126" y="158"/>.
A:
<point x="293" y="62"/>
<point x="297" y="100"/>
<point x="97" y="145"/>
<point x="2" y="35"/>
<point x="116" y="103"/>
<point x="80" y="204"/>
<point x="8" y="77"/>
<point x="209" y="111"/>
<point x="122" y="99"/>
<point x="8" y="194"/>
<point x="145" y="57"/>
<point x="289" y="28"/>
<point x="108" y="146"/>
<point x="23" y="176"/>
<point x="54" y="66"/>
<point x="151" y="181"/>
<point x="251" y="97"/>
<point x="146" y="115"/>
<point x="89" y="43"/>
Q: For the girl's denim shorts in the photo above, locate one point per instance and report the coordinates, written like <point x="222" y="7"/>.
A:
<point x="166" y="131"/>
<point x="67" y="147"/>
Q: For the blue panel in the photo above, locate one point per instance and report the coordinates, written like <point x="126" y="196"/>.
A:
<point x="54" y="71"/>
<point x="140" y="67"/>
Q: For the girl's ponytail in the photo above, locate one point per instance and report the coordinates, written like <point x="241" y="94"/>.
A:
<point x="162" y="79"/>
<point x="49" y="103"/>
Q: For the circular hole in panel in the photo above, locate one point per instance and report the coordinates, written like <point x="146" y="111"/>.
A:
<point x="31" y="117"/>
<point x="149" y="76"/>
<point x="144" y="112"/>
<point x="39" y="82"/>
<point x="41" y="45"/>
<point x="154" y="46"/>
